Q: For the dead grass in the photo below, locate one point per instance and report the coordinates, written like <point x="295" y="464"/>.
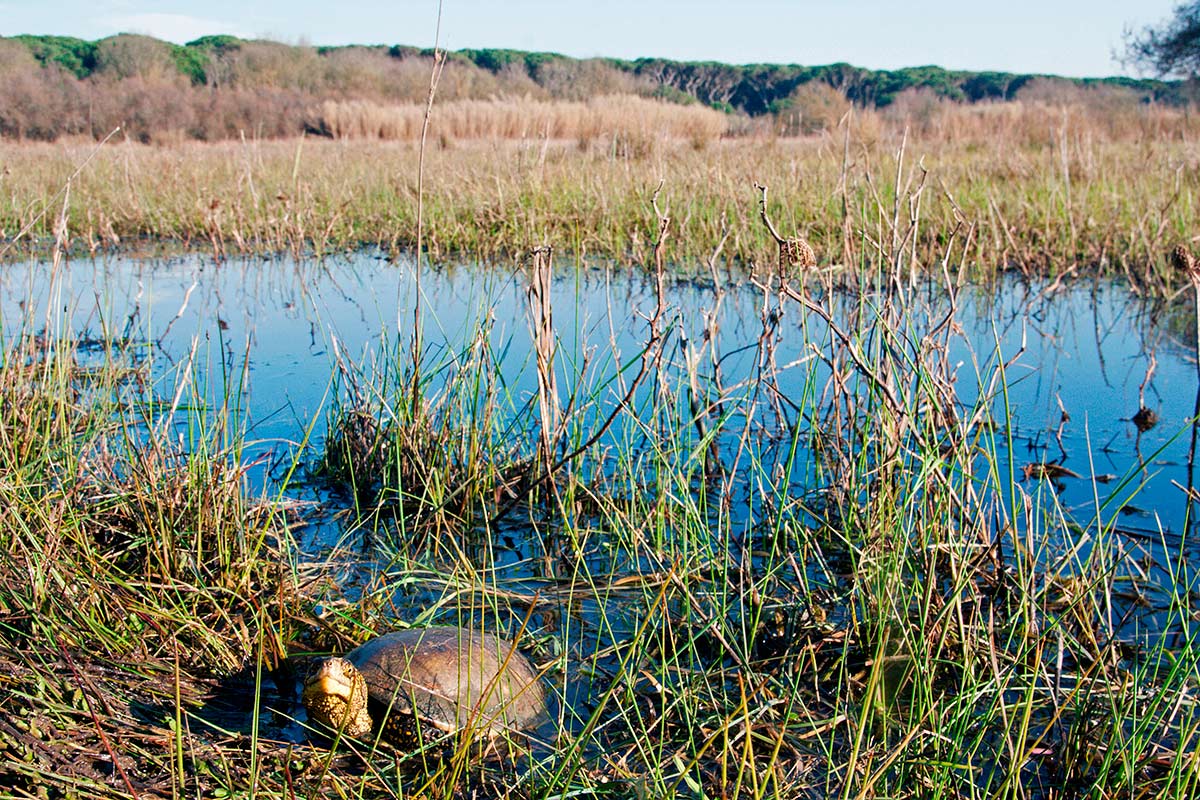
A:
<point x="620" y="116"/>
<point x="1042" y="198"/>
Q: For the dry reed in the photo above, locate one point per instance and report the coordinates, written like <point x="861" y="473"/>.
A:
<point x="1038" y="188"/>
<point x="522" y="118"/>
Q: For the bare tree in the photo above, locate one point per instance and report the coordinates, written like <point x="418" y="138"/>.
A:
<point x="129" y="55"/>
<point x="1170" y="48"/>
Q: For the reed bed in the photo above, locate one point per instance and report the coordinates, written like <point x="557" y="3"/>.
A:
<point x="1045" y="201"/>
<point x="624" y="117"/>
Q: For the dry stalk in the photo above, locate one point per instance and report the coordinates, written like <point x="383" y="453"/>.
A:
<point x="649" y="360"/>
<point x="1151" y="366"/>
<point x="542" y="331"/>
<point x="216" y="236"/>
<point x="844" y="191"/>
<point x="187" y="296"/>
<point x="914" y="222"/>
<point x="96" y="721"/>
<point x="1183" y="261"/>
<point x="794" y="252"/>
<point x="896" y="198"/>
<point x="660" y="271"/>
<point x="439" y="62"/>
<point x="701" y="411"/>
<point x="61" y="240"/>
<point x="664" y="229"/>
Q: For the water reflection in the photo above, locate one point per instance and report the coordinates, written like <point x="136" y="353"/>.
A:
<point x="1072" y="373"/>
<point x="1092" y="356"/>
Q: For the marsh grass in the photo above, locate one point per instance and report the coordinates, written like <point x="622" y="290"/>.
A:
<point x="735" y="589"/>
<point x="139" y="575"/>
<point x="852" y="595"/>
<point x="1048" y="200"/>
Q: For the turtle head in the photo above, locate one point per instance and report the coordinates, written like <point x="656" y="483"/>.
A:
<point x="335" y="694"/>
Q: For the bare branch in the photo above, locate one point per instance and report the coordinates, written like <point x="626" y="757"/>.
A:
<point x="762" y="207"/>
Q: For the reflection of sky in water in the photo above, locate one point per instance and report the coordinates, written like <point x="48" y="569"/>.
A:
<point x="1089" y="348"/>
<point x="1087" y="345"/>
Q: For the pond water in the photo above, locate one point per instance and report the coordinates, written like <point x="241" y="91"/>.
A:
<point x="1082" y="350"/>
<point x="1081" y="361"/>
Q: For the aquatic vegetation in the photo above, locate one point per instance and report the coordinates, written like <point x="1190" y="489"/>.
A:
<point x="134" y="573"/>
<point x="776" y="540"/>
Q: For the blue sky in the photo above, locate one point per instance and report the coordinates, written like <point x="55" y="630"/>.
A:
<point x="1065" y="37"/>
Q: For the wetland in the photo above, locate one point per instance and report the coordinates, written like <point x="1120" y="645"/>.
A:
<point x="878" y="485"/>
<point x="761" y="534"/>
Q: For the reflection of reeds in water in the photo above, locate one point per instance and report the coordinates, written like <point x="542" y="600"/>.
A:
<point x="1145" y="419"/>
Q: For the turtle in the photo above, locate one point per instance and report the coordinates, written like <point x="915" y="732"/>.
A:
<point x="413" y="686"/>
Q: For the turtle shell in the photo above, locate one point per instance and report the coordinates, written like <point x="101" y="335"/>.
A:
<point x="449" y="678"/>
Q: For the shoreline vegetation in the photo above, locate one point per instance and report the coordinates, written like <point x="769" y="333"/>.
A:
<point x="733" y="589"/>
<point x="1033" y="189"/>
<point x="222" y="87"/>
<point x="849" y="593"/>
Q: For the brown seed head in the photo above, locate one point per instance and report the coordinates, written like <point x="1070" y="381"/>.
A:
<point x="796" y="252"/>
<point x="1183" y="260"/>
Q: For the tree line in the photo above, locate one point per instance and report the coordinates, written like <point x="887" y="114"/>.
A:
<point x="221" y="86"/>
